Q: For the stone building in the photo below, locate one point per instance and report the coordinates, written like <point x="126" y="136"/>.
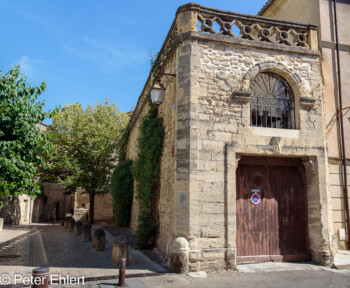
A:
<point x="53" y="197"/>
<point x="324" y="14"/>
<point x="19" y="211"/>
<point x="245" y="174"/>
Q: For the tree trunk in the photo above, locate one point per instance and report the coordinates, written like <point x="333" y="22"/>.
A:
<point x="92" y="206"/>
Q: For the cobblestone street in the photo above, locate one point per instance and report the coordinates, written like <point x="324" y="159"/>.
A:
<point x="55" y="247"/>
<point x="62" y="251"/>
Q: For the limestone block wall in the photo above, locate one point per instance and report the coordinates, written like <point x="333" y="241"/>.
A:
<point x="26" y="204"/>
<point x="167" y="110"/>
<point x="220" y="131"/>
<point x="166" y="204"/>
<point x="81" y="205"/>
<point x="103" y="206"/>
<point x="52" y="197"/>
<point x="337" y="198"/>
<point x="55" y="194"/>
<point x="131" y="153"/>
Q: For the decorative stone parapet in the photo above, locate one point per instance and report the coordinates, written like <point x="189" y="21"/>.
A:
<point x="120" y="250"/>
<point x="86" y="233"/>
<point x="98" y="244"/>
<point x="252" y="27"/>
<point x="77" y="228"/>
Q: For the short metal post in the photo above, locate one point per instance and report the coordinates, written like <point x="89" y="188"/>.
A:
<point x="40" y="277"/>
<point x="122" y="272"/>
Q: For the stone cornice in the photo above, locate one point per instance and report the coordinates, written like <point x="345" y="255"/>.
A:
<point x="246" y="43"/>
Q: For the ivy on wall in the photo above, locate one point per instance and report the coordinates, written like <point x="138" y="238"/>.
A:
<point x="146" y="172"/>
<point x="122" y="191"/>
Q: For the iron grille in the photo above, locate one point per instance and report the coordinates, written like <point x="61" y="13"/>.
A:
<point x="272" y="103"/>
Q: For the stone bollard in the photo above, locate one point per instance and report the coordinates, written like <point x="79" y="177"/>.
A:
<point x="86" y="233"/>
<point x="98" y="243"/>
<point x="180" y="255"/>
<point x="120" y="250"/>
<point x="77" y="228"/>
<point x="1" y="223"/>
<point x="40" y="278"/>
<point x="71" y="225"/>
<point x="66" y="222"/>
<point x="62" y="221"/>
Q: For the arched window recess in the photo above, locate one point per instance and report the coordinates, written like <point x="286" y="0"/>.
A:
<point x="272" y="102"/>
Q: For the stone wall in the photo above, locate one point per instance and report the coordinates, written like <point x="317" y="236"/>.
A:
<point x="81" y="205"/>
<point x="167" y="110"/>
<point x="132" y="152"/>
<point x="103" y="207"/>
<point x="52" y="197"/>
<point x="19" y="211"/>
<point x="220" y="131"/>
<point x="336" y="191"/>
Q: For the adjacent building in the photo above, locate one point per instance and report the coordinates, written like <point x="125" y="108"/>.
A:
<point x="332" y="18"/>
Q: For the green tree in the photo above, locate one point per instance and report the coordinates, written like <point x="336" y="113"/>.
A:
<point x="22" y="144"/>
<point x="86" y="143"/>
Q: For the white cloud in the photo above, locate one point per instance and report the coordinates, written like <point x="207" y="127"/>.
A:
<point x="29" y="67"/>
<point x="104" y="54"/>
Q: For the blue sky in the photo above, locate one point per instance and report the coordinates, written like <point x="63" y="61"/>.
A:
<point x="89" y="50"/>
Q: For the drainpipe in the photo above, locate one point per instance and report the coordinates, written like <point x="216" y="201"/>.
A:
<point x="340" y="115"/>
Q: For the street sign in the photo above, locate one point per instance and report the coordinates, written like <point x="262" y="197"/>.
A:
<point x="255" y="199"/>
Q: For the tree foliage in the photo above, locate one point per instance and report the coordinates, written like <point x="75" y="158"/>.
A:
<point x="122" y="191"/>
<point x="86" y="143"/>
<point x="22" y="144"/>
<point x="146" y="173"/>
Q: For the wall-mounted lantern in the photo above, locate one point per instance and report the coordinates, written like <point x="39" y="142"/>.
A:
<point x="157" y="93"/>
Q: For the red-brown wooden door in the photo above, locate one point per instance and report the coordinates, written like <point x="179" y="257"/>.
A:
<point x="276" y="228"/>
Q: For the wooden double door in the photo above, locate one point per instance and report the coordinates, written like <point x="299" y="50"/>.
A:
<point x="274" y="229"/>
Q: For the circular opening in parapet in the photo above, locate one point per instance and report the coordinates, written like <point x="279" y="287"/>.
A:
<point x="283" y="35"/>
<point x="247" y="30"/>
<point x="301" y="38"/>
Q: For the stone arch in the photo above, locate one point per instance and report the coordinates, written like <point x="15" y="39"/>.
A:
<point x="271" y="66"/>
<point x="291" y="77"/>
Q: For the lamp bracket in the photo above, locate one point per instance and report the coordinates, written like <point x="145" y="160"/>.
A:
<point x="166" y="75"/>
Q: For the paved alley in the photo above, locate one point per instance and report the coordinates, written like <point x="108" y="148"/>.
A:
<point x="62" y="251"/>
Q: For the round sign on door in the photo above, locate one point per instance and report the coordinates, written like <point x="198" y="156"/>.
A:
<point x="255" y="198"/>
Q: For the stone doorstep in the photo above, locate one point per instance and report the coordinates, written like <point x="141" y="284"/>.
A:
<point x="344" y="252"/>
<point x="135" y="256"/>
<point x="277" y="267"/>
<point x="342" y="259"/>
